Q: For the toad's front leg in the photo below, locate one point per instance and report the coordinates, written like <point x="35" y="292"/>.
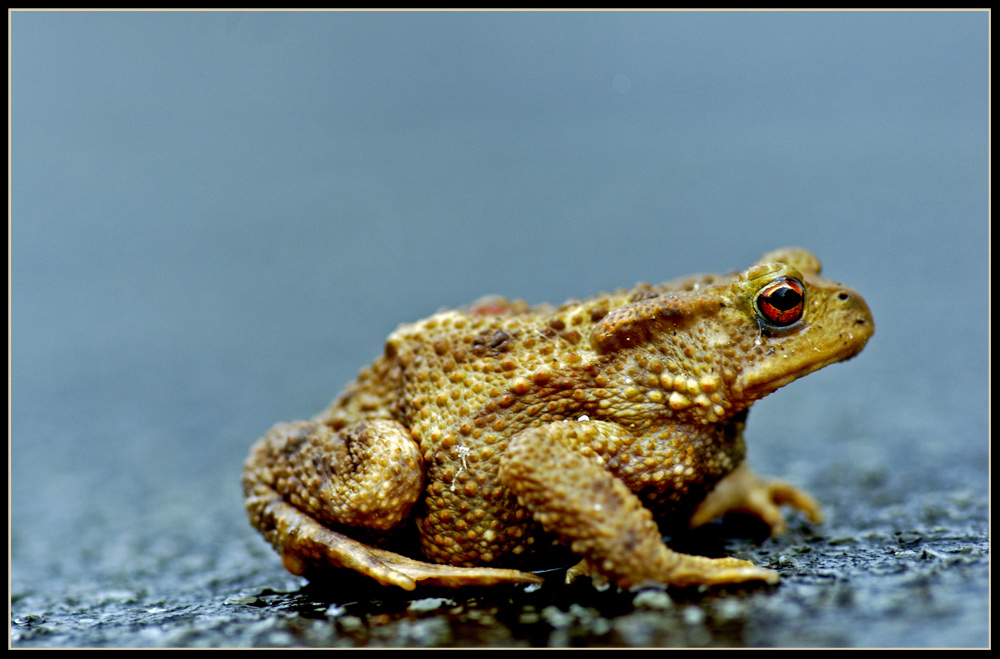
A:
<point x="303" y="478"/>
<point x="556" y="473"/>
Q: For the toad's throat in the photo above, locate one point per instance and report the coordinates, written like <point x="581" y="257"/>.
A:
<point x="774" y="373"/>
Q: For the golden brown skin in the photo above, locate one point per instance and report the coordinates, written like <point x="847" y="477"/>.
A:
<point x="501" y="428"/>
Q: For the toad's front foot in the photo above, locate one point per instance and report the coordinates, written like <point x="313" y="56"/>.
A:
<point x="742" y="491"/>
<point x="690" y="571"/>
<point x="599" y="518"/>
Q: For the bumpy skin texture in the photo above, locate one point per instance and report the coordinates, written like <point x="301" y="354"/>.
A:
<point x="501" y="429"/>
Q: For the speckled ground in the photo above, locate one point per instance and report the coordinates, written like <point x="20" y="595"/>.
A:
<point x="912" y="573"/>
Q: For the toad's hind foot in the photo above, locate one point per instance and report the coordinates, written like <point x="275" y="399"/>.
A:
<point x="305" y="477"/>
<point x="306" y="546"/>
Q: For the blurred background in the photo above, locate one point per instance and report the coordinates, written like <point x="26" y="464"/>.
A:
<point x="217" y="218"/>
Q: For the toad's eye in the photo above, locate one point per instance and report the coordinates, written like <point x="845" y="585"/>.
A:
<point x="781" y="302"/>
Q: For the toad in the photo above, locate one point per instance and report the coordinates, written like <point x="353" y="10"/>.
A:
<point x="494" y="435"/>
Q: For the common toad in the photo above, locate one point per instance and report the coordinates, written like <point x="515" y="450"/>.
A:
<point x="496" y="432"/>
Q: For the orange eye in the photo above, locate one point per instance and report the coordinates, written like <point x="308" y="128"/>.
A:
<point x="781" y="302"/>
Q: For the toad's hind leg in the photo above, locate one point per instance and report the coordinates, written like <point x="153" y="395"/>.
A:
<point x="596" y="514"/>
<point x="303" y="477"/>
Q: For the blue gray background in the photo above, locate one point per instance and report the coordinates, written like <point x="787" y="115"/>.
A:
<point x="216" y="219"/>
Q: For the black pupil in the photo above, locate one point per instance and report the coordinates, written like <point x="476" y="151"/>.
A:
<point x="784" y="298"/>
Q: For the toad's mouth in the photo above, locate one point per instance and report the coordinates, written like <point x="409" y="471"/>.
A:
<point x="811" y="347"/>
<point x="785" y="367"/>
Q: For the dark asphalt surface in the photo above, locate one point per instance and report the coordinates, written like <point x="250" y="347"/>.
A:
<point x="217" y="218"/>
